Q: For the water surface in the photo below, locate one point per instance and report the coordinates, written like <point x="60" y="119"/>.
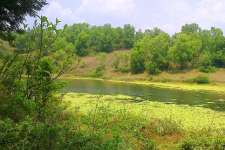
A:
<point x="215" y="101"/>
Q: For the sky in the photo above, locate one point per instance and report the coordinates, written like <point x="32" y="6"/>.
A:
<point x="169" y="15"/>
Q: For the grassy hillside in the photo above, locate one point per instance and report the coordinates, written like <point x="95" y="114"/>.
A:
<point x="102" y="66"/>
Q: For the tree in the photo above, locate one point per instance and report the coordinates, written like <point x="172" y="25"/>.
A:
<point x="184" y="50"/>
<point x="129" y="36"/>
<point x="137" y="61"/>
<point x="191" y="28"/>
<point x="154" y="50"/>
<point x="213" y="43"/>
<point x="13" y="12"/>
<point x="153" y="32"/>
<point x="41" y="64"/>
<point x="81" y="44"/>
<point x="156" y="53"/>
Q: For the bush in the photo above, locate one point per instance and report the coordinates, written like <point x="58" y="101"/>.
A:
<point x="152" y="68"/>
<point x="207" y="69"/>
<point x="30" y="135"/>
<point x="164" y="127"/>
<point x="121" y="62"/>
<point x="205" y="62"/>
<point x="98" y="72"/>
<point x="201" y="80"/>
<point x="137" y="62"/>
<point x="149" y="145"/>
<point x="219" y="59"/>
<point x="203" y="143"/>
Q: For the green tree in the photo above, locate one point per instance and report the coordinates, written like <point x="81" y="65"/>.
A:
<point x="137" y="61"/>
<point x="154" y="51"/>
<point x="213" y="43"/>
<point x="191" y="28"/>
<point x="156" y="55"/>
<point x="129" y="36"/>
<point x="40" y="64"/>
<point x="184" y="50"/>
<point x="13" y="13"/>
<point x="81" y="44"/>
<point x="153" y="32"/>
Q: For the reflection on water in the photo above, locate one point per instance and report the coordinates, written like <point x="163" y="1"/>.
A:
<point x="211" y="100"/>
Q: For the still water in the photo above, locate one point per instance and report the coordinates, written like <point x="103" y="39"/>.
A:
<point x="215" y="101"/>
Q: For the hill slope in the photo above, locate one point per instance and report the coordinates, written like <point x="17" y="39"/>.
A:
<point x="103" y="66"/>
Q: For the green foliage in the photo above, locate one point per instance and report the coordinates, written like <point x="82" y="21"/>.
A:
<point x="129" y="36"/>
<point x="137" y="61"/>
<point x="165" y="127"/>
<point x="114" y="126"/>
<point x="100" y="69"/>
<point x="13" y="14"/>
<point x="219" y="59"/>
<point x="191" y="28"/>
<point x="201" y="80"/>
<point x="81" y="44"/>
<point x="153" y="50"/>
<point x="207" y="69"/>
<point x="86" y="39"/>
<point x="31" y="114"/>
<point x="184" y="50"/>
<point x="206" y="143"/>
<point x="98" y="72"/>
<point x="30" y="135"/>
<point x="121" y="62"/>
<point x="152" y="68"/>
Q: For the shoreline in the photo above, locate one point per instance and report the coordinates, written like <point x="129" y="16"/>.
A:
<point x="218" y="88"/>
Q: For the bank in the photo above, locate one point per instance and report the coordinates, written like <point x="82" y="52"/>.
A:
<point x="211" y="87"/>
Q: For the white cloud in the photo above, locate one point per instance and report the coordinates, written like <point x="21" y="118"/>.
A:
<point x="211" y="12"/>
<point x="172" y="14"/>
<point x="117" y="8"/>
<point x="169" y="15"/>
<point x="56" y="10"/>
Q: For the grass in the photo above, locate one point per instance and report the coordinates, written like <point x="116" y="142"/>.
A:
<point x="140" y="123"/>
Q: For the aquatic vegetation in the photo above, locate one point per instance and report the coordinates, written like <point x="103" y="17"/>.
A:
<point x="185" y="115"/>
<point x="166" y="125"/>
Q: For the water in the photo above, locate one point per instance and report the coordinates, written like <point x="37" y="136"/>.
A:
<point x="215" y="101"/>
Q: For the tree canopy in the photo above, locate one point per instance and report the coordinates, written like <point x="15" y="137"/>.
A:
<point x="152" y="50"/>
<point x="13" y="12"/>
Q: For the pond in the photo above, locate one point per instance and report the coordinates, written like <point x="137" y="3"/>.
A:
<point x="215" y="101"/>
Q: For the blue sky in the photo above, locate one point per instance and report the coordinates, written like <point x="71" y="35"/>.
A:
<point x="168" y="15"/>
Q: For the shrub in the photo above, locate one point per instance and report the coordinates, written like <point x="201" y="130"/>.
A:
<point x="203" y="143"/>
<point x="149" y="145"/>
<point x="98" y="72"/>
<point x="201" y="80"/>
<point x="207" y="69"/>
<point x="137" y="62"/>
<point x="121" y="62"/>
<point x="164" y="127"/>
<point x="100" y="69"/>
<point x="30" y="135"/>
<point x="205" y="62"/>
<point x="83" y="64"/>
<point x="219" y="59"/>
<point x="152" y="68"/>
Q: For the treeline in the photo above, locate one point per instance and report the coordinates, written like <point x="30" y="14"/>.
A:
<point x="84" y="39"/>
<point x="191" y="48"/>
<point x="153" y="50"/>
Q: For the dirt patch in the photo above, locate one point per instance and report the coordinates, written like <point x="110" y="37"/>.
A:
<point x="168" y="140"/>
<point x="89" y="63"/>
